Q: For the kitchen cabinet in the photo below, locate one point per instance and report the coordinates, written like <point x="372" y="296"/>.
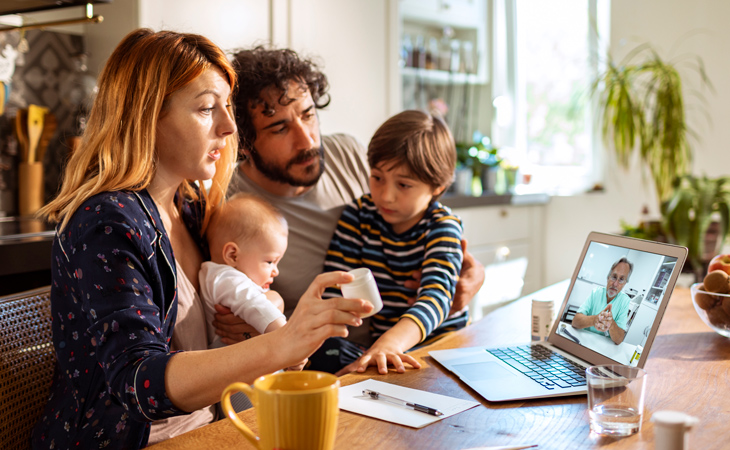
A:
<point x="442" y="62"/>
<point x="508" y="241"/>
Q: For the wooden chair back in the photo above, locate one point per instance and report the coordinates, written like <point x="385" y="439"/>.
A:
<point x="27" y="362"/>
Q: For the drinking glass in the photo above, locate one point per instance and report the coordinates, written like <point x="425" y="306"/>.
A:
<point x="615" y="399"/>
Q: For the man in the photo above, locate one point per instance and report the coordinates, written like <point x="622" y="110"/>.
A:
<point x="606" y="309"/>
<point x="308" y="177"/>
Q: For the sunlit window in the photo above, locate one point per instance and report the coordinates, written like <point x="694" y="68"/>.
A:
<point x="549" y="52"/>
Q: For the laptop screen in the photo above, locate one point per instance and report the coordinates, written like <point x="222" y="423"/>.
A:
<point x="617" y="296"/>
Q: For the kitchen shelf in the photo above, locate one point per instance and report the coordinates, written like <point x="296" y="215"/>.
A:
<point x="440" y="77"/>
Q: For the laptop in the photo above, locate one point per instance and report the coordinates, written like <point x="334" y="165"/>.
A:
<point x="557" y="367"/>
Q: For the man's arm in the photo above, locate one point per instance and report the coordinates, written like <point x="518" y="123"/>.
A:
<point x="471" y="279"/>
<point x="581" y="321"/>
<point x="616" y="332"/>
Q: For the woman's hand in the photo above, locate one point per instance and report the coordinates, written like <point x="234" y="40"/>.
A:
<point x="315" y="319"/>
<point x="389" y="348"/>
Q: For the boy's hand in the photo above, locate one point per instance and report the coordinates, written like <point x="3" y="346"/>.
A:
<point x="230" y="327"/>
<point x="381" y="354"/>
<point x="389" y="348"/>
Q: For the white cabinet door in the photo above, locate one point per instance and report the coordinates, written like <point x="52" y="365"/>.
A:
<point x="507" y="240"/>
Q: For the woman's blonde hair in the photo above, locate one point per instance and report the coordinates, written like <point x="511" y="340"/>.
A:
<point x="117" y="150"/>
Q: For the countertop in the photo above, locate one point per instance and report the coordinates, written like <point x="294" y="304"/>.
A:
<point x="24" y="229"/>
<point x="468" y="201"/>
<point x="25" y="254"/>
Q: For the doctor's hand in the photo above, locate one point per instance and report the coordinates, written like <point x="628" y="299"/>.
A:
<point x="604" y="319"/>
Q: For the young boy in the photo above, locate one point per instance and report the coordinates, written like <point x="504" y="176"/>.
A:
<point x="396" y="231"/>
<point x="247" y="238"/>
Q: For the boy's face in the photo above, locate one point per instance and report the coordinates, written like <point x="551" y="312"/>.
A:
<point x="401" y="198"/>
<point x="258" y="258"/>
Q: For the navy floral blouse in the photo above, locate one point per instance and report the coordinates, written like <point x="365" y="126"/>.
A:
<point x="113" y="301"/>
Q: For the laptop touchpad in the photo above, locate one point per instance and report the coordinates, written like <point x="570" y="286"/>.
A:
<point x="482" y="371"/>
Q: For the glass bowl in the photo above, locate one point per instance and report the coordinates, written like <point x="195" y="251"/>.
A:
<point x="718" y="306"/>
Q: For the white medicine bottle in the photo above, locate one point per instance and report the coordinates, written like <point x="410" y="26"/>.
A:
<point x="542" y="319"/>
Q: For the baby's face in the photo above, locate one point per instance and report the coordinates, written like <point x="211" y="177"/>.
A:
<point x="259" y="257"/>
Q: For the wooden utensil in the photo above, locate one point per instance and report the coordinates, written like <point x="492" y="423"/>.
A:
<point x="35" y="128"/>
<point x="21" y="132"/>
<point x="49" y="129"/>
<point x="2" y="98"/>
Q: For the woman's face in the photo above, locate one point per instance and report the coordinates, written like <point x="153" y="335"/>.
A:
<point x="192" y="129"/>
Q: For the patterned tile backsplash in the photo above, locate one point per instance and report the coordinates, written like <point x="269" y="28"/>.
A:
<point x="45" y="75"/>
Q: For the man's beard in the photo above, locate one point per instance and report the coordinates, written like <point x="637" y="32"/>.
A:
<point x="281" y="175"/>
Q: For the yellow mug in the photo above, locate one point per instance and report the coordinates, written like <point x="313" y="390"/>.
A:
<point x="294" y="410"/>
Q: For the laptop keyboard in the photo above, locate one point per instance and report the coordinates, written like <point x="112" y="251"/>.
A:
<point x="543" y="365"/>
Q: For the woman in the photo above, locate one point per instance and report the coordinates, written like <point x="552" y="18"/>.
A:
<point x="129" y="236"/>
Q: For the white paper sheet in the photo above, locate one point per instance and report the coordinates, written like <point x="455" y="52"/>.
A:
<point x="353" y="400"/>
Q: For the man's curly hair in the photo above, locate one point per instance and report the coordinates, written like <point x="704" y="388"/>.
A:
<point x="260" y="68"/>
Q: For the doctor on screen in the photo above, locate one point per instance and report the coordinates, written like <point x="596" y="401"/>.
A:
<point x="606" y="309"/>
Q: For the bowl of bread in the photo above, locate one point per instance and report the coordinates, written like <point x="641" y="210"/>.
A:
<point x="711" y="300"/>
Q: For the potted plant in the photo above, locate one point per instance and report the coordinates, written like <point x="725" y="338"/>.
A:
<point x="480" y="161"/>
<point x="697" y="216"/>
<point x="642" y="107"/>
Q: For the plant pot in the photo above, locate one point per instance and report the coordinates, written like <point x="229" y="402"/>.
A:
<point x="489" y="179"/>
<point x="462" y="181"/>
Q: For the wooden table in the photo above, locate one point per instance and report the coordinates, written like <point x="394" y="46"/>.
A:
<point x="689" y="371"/>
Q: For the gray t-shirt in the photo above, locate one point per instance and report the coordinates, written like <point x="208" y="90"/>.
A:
<point x="313" y="216"/>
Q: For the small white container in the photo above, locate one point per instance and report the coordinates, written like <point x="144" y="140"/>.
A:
<point x="364" y="287"/>
<point x="542" y="319"/>
<point x="671" y="430"/>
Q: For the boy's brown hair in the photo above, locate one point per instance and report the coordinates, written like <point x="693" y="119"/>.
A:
<point x="421" y="141"/>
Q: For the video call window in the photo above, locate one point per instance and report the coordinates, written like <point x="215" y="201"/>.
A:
<point x="635" y="298"/>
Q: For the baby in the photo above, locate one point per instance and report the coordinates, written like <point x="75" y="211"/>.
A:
<point x="247" y="239"/>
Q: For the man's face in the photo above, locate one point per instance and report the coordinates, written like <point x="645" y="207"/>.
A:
<point x="617" y="280"/>
<point x="288" y="148"/>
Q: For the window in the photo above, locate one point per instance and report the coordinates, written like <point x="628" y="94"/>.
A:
<point x="546" y="55"/>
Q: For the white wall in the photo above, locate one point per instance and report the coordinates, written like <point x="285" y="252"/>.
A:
<point x="663" y="23"/>
<point x="349" y="39"/>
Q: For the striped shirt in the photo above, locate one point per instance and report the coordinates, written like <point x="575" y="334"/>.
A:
<point x="433" y="246"/>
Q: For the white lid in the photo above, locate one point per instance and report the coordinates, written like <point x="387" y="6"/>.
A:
<point x="674" y="419"/>
<point x="539" y="302"/>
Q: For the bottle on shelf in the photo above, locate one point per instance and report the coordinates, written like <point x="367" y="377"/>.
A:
<point x="432" y="54"/>
<point x="419" y="53"/>
<point x="455" y="56"/>
<point x="406" y="51"/>
<point x="445" y="49"/>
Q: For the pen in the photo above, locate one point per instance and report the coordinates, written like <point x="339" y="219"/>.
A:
<point x="378" y="396"/>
